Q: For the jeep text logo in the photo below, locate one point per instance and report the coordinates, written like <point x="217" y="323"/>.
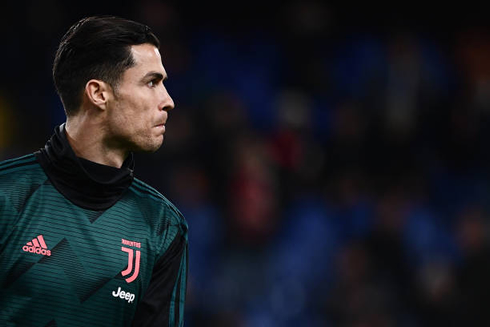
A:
<point x="124" y="295"/>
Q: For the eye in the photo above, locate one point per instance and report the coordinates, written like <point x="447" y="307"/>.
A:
<point x="152" y="83"/>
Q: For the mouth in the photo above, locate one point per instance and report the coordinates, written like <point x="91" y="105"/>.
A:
<point x="160" y="127"/>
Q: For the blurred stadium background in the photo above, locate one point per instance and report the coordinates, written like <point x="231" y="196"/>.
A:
<point x="331" y="159"/>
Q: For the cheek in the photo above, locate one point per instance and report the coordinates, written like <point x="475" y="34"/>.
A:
<point x="132" y="114"/>
<point x="121" y="122"/>
<point x="125" y="112"/>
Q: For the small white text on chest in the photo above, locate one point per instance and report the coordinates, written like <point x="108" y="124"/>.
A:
<point x="123" y="295"/>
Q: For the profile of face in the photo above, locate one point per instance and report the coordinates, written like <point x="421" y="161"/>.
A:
<point x="138" y="109"/>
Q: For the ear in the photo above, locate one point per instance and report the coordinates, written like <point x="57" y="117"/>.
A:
<point x="98" y="92"/>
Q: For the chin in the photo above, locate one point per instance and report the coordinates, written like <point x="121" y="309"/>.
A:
<point x="152" y="147"/>
<point x="148" y="149"/>
<point x="147" y="144"/>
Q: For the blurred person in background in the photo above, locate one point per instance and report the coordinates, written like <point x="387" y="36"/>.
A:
<point x="82" y="241"/>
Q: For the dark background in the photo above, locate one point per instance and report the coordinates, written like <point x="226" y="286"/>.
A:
<point x="331" y="159"/>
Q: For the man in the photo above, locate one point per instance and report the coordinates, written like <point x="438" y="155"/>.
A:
<point x="82" y="242"/>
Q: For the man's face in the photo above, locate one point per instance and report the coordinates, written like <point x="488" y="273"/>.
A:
<point x="139" y="109"/>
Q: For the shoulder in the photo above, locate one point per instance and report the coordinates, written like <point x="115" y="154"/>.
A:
<point x="19" y="179"/>
<point x="21" y="170"/>
<point x="153" y="199"/>
<point x="165" y="219"/>
<point x="8" y="166"/>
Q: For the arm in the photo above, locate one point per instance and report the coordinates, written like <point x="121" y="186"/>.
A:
<point x="163" y="302"/>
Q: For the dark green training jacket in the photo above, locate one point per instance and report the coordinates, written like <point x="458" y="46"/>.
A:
<point x="82" y="244"/>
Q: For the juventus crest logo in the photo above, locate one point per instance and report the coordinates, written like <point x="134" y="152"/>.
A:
<point x="134" y="257"/>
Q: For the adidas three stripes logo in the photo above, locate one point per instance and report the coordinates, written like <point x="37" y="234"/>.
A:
<point x="38" y="246"/>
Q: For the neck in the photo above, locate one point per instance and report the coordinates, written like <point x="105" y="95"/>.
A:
<point x="86" y="184"/>
<point x="86" y="138"/>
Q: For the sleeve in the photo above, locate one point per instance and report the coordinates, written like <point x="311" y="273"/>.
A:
<point x="163" y="302"/>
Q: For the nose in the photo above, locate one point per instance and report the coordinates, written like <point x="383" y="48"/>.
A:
<point x="167" y="102"/>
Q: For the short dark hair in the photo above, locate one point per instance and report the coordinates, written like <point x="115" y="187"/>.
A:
<point x="97" y="47"/>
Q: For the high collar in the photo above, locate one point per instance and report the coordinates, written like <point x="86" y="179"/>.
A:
<point x="85" y="183"/>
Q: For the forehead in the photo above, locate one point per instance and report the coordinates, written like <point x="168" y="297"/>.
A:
<point x="147" y="58"/>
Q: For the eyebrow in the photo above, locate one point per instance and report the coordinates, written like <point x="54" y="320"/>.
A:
<point x="155" y="75"/>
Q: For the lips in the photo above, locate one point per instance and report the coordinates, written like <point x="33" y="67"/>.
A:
<point x="160" y="127"/>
